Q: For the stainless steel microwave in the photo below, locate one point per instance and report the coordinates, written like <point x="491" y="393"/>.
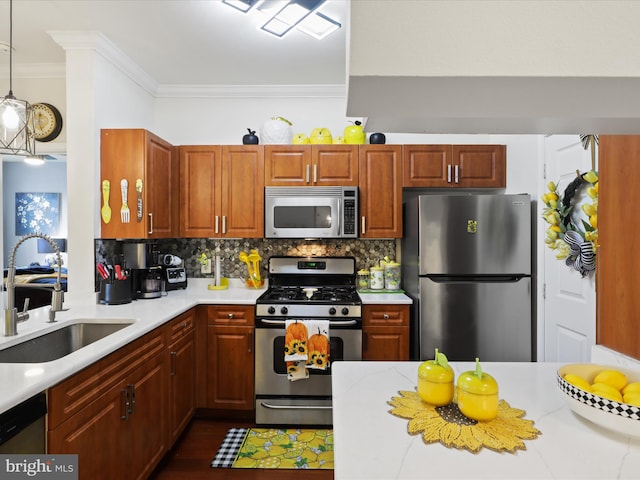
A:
<point x="311" y="212"/>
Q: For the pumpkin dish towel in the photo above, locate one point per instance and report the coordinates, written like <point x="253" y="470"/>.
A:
<point x="306" y="346"/>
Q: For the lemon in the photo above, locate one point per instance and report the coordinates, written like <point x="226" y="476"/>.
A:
<point x="607" y="391"/>
<point x="577" y="381"/>
<point x="615" y="378"/>
<point x="632" y="398"/>
<point x="631" y="387"/>
<point x="244" y="462"/>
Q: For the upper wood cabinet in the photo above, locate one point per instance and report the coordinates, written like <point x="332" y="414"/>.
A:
<point x="311" y="165"/>
<point x="132" y="155"/>
<point x="380" y="191"/>
<point x="618" y="302"/>
<point x="222" y="191"/>
<point x="454" y="166"/>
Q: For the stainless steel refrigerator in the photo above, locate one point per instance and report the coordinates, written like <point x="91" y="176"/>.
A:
<point x="467" y="266"/>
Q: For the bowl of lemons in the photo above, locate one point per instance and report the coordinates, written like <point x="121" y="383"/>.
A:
<point x="605" y="395"/>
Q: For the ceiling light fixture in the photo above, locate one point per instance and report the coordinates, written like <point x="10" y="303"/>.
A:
<point x="318" y="26"/>
<point x="16" y="119"/>
<point x="290" y="16"/>
<point x="242" y="5"/>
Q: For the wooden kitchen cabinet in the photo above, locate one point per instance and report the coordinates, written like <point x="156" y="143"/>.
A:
<point x="230" y="357"/>
<point x="182" y="373"/>
<point x="221" y="191"/>
<point x="134" y="154"/>
<point x="311" y="165"/>
<point x="380" y="181"/>
<point x="385" y="332"/>
<point x="113" y="413"/>
<point x="617" y="257"/>
<point x="454" y="166"/>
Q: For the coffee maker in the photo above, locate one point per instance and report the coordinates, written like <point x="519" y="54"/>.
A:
<point x="142" y="260"/>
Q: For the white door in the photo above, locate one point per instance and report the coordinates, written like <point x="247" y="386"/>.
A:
<point x="570" y="299"/>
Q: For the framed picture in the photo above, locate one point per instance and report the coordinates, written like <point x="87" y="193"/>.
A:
<point x="37" y="212"/>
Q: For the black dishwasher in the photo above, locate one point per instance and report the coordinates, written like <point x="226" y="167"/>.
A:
<point x="22" y="428"/>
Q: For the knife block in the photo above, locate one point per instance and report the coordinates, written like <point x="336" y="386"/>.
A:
<point x="115" y="292"/>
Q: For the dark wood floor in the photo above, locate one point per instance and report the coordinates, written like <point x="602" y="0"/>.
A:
<point x="191" y="457"/>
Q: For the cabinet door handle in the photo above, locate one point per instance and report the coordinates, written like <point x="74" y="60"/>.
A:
<point x="173" y="363"/>
<point x="224" y="224"/>
<point x="385" y="316"/>
<point x="455" y="169"/>
<point x="230" y="315"/>
<point x="448" y="173"/>
<point x="150" y="223"/>
<point x="124" y="404"/>
<point x="250" y="337"/>
<point x="362" y="225"/>
<point x="217" y="222"/>
<point x="308" y="167"/>
<point x="315" y="174"/>
<point x="132" y="396"/>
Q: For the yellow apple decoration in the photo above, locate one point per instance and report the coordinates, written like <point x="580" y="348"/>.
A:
<point x="354" y="134"/>
<point x="477" y="394"/>
<point x="320" y="136"/>
<point x="338" y="140"/>
<point x="300" y="139"/>
<point x="435" y="380"/>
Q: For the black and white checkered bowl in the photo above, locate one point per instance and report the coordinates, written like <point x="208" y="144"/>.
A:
<point x="616" y="416"/>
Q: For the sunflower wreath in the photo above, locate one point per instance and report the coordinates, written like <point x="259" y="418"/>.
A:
<point x="574" y="242"/>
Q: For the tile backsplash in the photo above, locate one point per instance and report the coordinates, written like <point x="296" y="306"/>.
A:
<point x="366" y="252"/>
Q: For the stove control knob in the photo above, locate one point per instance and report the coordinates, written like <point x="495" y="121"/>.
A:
<point x="284" y="310"/>
<point x="271" y="310"/>
<point x="345" y="311"/>
<point x="332" y="311"/>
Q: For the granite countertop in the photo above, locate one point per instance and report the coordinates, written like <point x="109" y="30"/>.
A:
<point x="20" y="381"/>
<point x="370" y="443"/>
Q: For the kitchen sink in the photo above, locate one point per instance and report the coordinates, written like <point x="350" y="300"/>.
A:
<point x="59" y="343"/>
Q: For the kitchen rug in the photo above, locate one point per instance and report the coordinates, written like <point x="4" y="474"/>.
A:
<point x="276" y="448"/>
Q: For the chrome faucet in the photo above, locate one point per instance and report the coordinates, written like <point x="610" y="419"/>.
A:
<point x="11" y="315"/>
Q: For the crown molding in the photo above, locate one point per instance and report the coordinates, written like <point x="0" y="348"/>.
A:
<point x="35" y="70"/>
<point x="251" y="91"/>
<point x="96" y="41"/>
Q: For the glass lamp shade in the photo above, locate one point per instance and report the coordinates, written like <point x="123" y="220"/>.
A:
<point x="16" y="126"/>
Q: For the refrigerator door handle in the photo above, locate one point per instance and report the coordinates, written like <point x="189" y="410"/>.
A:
<point x="476" y="278"/>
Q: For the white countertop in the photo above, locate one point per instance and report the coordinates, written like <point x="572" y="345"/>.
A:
<point x="371" y="443"/>
<point x="20" y="381"/>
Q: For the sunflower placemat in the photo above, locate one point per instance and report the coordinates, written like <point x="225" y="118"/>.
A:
<point x="452" y="429"/>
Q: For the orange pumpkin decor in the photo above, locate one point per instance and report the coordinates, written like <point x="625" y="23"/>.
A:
<point x="318" y="351"/>
<point x="295" y="340"/>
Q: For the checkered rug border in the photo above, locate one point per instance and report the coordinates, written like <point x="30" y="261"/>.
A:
<point x="229" y="448"/>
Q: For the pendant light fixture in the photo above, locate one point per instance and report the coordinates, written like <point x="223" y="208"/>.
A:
<point x="16" y="119"/>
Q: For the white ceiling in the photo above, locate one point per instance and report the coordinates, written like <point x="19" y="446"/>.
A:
<point x="181" y="42"/>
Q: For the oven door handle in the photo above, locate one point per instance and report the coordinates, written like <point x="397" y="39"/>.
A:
<point x="339" y="323"/>
<point x="295" y="407"/>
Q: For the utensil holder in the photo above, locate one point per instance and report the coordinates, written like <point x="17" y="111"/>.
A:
<point x="115" y="292"/>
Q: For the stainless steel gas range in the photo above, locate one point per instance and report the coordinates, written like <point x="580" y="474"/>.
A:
<point x="304" y="288"/>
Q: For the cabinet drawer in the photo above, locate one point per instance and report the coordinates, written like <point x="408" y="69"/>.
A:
<point x="73" y="394"/>
<point x="385" y="315"/>
<point x="236" y="315"/>
<point x="181" y="325"/>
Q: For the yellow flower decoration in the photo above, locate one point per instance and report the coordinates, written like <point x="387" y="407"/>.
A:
<point x="452" y="429"/>
<point x="574" y="242"/>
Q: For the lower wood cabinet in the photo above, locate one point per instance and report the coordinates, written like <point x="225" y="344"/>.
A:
<point x="385" y="332"/>
<point x="230" y="357"/>
<point x="113" y="413"/>
<point x="182" y="373"/>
